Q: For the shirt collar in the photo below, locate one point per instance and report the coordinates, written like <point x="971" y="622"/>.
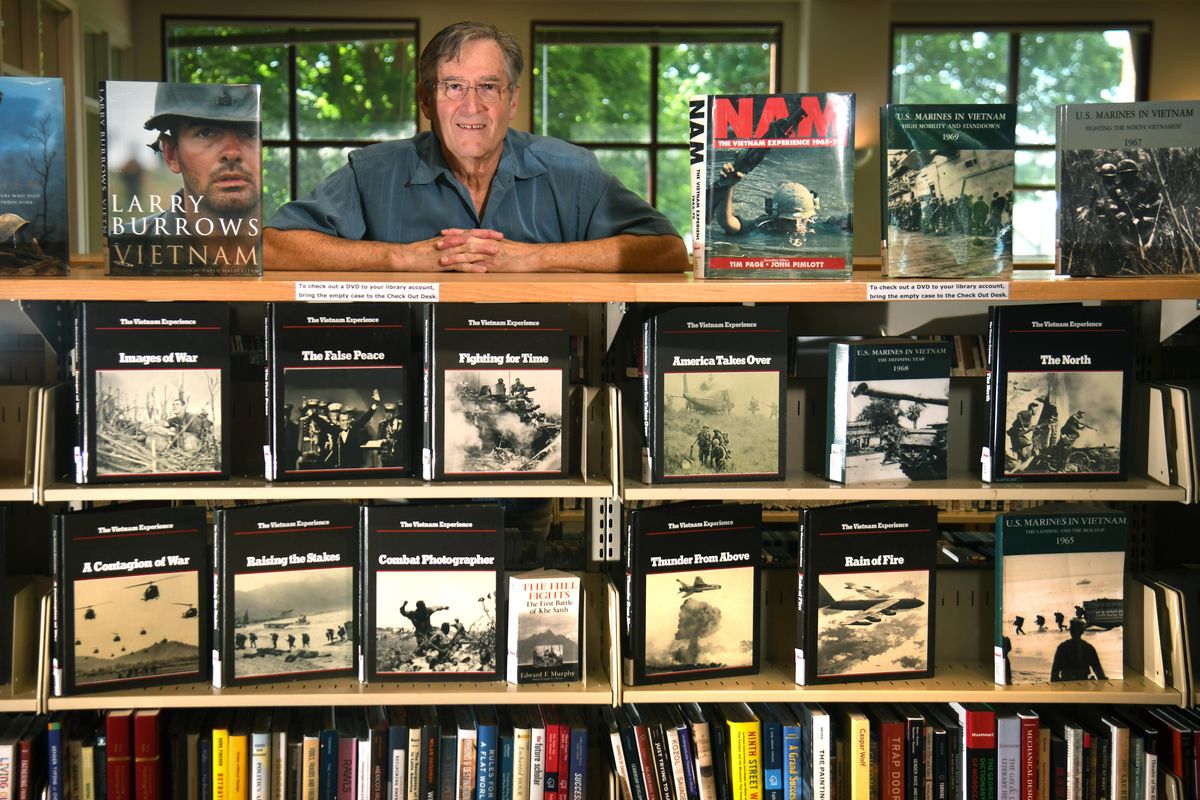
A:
<point x="516" y="160"/>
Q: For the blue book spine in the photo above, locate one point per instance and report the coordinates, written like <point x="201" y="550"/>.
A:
<point x="447" y="765"/>
<point x="629" y="746"/>
<point x="327" y="755"/>
<point x="397" y="750"/>
<point x="100" y="766"/>
<point x="486" y="746"/>
<point x="506" y="767"/>
<point x="791" y="762"/>
<point x="577" y="764"/>
<point x="772" y="745"/>
<point x="204" y="766"/>
<point x="54" y="756"/>
<point x="689" y="764"/>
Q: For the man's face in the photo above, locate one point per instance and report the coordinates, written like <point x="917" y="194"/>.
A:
<point x="470" y="130"/>
<point x="218" y="162"/>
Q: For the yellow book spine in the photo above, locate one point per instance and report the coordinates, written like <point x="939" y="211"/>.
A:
<point x="745" y="760"/>
<point x="859" y="742"/>
<point x="220" y="763"/>
<point x="237" y="774"/>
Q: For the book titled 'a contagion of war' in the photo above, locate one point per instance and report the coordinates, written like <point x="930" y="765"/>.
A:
<point x="181" y="178"/>
<point x="772" y="185"/>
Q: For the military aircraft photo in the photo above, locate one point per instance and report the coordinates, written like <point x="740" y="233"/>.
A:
<point x="869" y="602"/>
<point x="696" y="586"/>
<point x="151" y="591"/>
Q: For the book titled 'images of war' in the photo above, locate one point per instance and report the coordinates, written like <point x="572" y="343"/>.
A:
<point x="340" y="390"/>
<point x="430" y="583"/>
<point x="1060" y="595"/>
<point x="181" y="178"/>
<point x="772" y="185"/>
<point x="150" y="391"/>
<point x="545" y="616"/>
<point x="948" y="190"/>
<point x="691" y="592"/>
<point x="1128" y="203"/>
<point x="1059" y="392"/>
<point x="34" y="226"/>
<point x="284" y="592"/>
<point x="130" y="607"/>
<point x="888" y="410"/>
<point x="495" y="391"/>
<point x="714" y="392"/>
<point x="865" y="593"/>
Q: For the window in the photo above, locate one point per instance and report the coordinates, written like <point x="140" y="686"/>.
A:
<point x="622" y="92"/>
<point x="327" y="88"/>
<point x="1037" y="69"/>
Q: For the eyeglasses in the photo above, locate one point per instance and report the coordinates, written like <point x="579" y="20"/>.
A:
<point x="487" y="92"/>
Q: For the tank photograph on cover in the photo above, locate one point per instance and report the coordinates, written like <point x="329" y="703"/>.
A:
<point x="503" y="420"/>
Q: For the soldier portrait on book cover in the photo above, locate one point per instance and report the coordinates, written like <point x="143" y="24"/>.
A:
<point x="697" y="620"/>
<point x="503" y="420"/>
<point x="897" y="429"/>
<point x="341" y="418"/>
<point x="1063" y="422"/>
<point x="872" y="622"/>
<point x="720" y="423"/>
<point x="435" y="621"/>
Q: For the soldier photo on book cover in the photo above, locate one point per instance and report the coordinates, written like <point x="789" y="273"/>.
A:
<point x="549" y="641"/>
<point x="1063" y="422"/>
<point x="435" y="621"/>
<point x="339" y="418"/>
<point x="696" y="620"/>
<point x="721" y="423"/>
<point x="897" y="429"/>
<point x="872" y="622"/>
<point x="503" y="420"/>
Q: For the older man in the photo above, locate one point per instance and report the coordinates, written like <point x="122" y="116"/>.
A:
<point x="472" y="195"/>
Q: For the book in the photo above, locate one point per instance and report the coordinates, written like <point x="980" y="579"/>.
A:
<point x="1060" y="571"/>
<point x="772" y="185"/>
<point x="947" y="182"/>
<point x="978" y="723"/>
<point x="181" y="178"/>
<point x="147" y="754"/>
<point x="1126" y="201"/>
<point x="130" y="599"/>
<point x="285" y="577"/>
<point x="495" y="391"/>
<point x="714" y="388"/>
<point x="745" y="751"/>
<point x="1059" y="403"/>
<point x="35" y="235"/>
<point x="545" y="626"/>
<point x="118" y="731"/>
<point x="865" y="592"/>
<point x="888" y="410"/>
<point x="342" y="389"/>
<point x="151" y="394"/>
<point x="465" y="754"/>
<point x="430" y="587"/>
<point x="691" y="592"/>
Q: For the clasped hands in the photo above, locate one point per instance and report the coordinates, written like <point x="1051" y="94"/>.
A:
<point x="482" y="250"/>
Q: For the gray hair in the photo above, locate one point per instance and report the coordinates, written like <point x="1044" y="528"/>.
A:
<point x="447" y="45"/>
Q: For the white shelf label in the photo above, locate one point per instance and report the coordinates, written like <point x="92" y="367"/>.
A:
<point x="366" y="292"/>
<point x="937" y="290"/>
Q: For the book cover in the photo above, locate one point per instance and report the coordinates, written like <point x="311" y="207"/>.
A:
<point x="181" y="178"/>
<point x="341" y="390"/>
<point x="1127" y="201"/>
<point x="35" y="236"/>
<point x="888" y="410"/>
<point x="151" y="391"/>
<point x="284" y="591"/>
<point x="866" y="589"/>
<point x="691" y="592"/>
<point x="495" y="391"/>
<point x="1059" y="407"/>
<point x="1060" y="595"/>
<point x="772" y="185"/>
<point x="430" y="588"/>
<point x="545" y="617"/>
<point x="131" y="598"/>
<point x="947" y="190"/>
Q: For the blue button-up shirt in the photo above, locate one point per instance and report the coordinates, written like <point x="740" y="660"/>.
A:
<point x="544" y="190"/>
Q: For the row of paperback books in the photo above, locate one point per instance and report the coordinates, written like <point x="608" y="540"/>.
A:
<point x="1174" y="435"/>
<point x="298" y="590"/>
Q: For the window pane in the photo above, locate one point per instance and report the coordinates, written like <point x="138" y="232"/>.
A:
<point x="631" y="167"/>
<point x="277" y="180"/>
<point x="955" y="67"/>
<point x="592" y="93"/>
<point x="356" y="90"/>
<point x="1035" y="167"/>
<point x="690" y="69"/>
<point x="315" y="164"/>
<point x="1033" y="225"/>
<point x="675" y="190"/>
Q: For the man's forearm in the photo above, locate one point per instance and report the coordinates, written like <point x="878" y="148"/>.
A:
<point x="310" y="250"/>
<point x="624" y="253"/>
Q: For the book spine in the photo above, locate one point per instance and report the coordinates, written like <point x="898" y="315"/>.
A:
<point x="1000" y="665"/>
<point x="327" y="765"/>
<point x="362" y="770"/>
<point x="1058" y="769"/>
<point x="347" y="767"/>
<point x="447" y="767"/>
<point x="550" y="776"/>
<point x="629" y="746"/>
<point x="537" y="763"/>
<point x="104" y="155"/>
<point x="428" y="764"/>
<point x="486" y="763"/>
<point x="412" y="791"/>
<point x="648" y="437"/>
<point x="702" y="744"/>
<point x="793" y="777"/>
<point x="428" y="451"/>
<point x="772" y="746"/>
<point x="119" y="749"/>
<point x="310" y="760"/>
<point x="54" y="760"/>
<point x="979" y="767"/>
<point x="1029" y="758"/>
<point x="836" y="425"/>
<point x="220" y="764"/>
<point x="1152" y="781"/>
<point x="940" y="765"/>
<point x="745" y="760"/>
<point x="914" y="742"/>
<point x="891" y="745"/>
<point x="578" y="762"/>
<point x="1008" y="758"/>
<point x="646" y="763"/>
<point x="801" y="648"/>
<point x="204" y="772"/>
<point x="624" y="787"/>
<point x="279" y="765"/>
<point x="260" y="766"/>
<point x="884" y="212"/>
<point x="521" y="764"/>
<point x="7" y="771"/>
<point x="504" y="787"/>
<point x="147" y="767"/>
<point x="823" y="778"/>
<point x="674" y="757"/>
<point x="859" y="756"/>
<point x="218" y="608"/>
<point x="56" y="603"/>
<point x="630" y="655"/>
<point x="24" y="773"/>
<point x="87" y="772"/>
<point x="698" y="122"/>
<point x="687" y="752"/>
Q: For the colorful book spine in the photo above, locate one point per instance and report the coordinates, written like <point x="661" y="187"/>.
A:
<point x="745" y="760"/>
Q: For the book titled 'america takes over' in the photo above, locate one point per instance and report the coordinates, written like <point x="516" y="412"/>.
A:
<point x="691" y="592"/>
<point x="772" y="185"/>
<point x="181" y="178"/>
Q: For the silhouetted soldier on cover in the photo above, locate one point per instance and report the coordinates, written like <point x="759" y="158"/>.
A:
<point x="1019" y="432"/>
<point x="419" y="617"/>
<point x="1019" y="625"/>
<point x="254" y="640"/>
<point x="274" y="641"/>
<point x="305" y="642"/>
<point x="1059" y="618"/>
<point x="1075" y="659"/>
<point x="1071" y="430"/>
<point x="291" y="640"/>
<point x="1041" y="623"/>
<point x="703" y="444"/>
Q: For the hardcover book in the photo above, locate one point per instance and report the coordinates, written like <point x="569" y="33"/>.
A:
<point x="1128" y="203"/>
<point x="1059" y="392"/>
<point x="181" y="178"/>
<point x="341" y="389"/>
<point x="1060" y="595"/>
<point x="130" y="608"/>
<point x="545" y="626"/>
<point x="150" y="391"/>
<point x="284" y="587"/>
<point x="947" y="190"/>
<point x="495" y="391"/>
<point x="714" y="387"/>
<point x="35" y="234"/>
<point x="772" y="185"/>
<point x="691" y="592"/>
<point x="431" y="580"/>
<point x="888" y="410"/>
<point x="866" y="590"/>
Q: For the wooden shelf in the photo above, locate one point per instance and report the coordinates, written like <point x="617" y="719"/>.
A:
<point x="19" y="703"/>
<point x="15" y="490"/>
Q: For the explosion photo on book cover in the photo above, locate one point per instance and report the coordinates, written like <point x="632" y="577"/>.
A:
<point x="435" y="621"/>
<point x="503" y="420"/>
<point x="696" y="620"/>
<point x="1063" y="422"/>
<point x="872" y="623"/>
<point x="897" y="430"/>
<point x="720" y="423"/>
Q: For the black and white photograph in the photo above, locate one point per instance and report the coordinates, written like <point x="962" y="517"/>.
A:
<point x="344" y="418"/>
<point x="696" y="620"/>
<point x="435" y="621"/>
<point x="549" y="640"/>
<point x="1063" y="422"/>
<point x="156" y="421"/>
<point x="897" y="429"/>
<point x="293" y="621"/>
<point x="872" y="623"/>
<point x="720" y="423"/>
<point x="136" y="626"/>
<point x="503" y="420"/>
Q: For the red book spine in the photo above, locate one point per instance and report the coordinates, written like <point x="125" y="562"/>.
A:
<point x="1029" y="757"/>
<point x="891" y="748"/>
<point x="645" y="761"/>
<point x="147" y="769"/>
<point x="118" y="727"/>
<point x="24" y="768"/>
<point x="979" y="738"/>
<point x="564" y="757"/>
<point x="347" y="762"/>
<point x="551" y="722"/>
